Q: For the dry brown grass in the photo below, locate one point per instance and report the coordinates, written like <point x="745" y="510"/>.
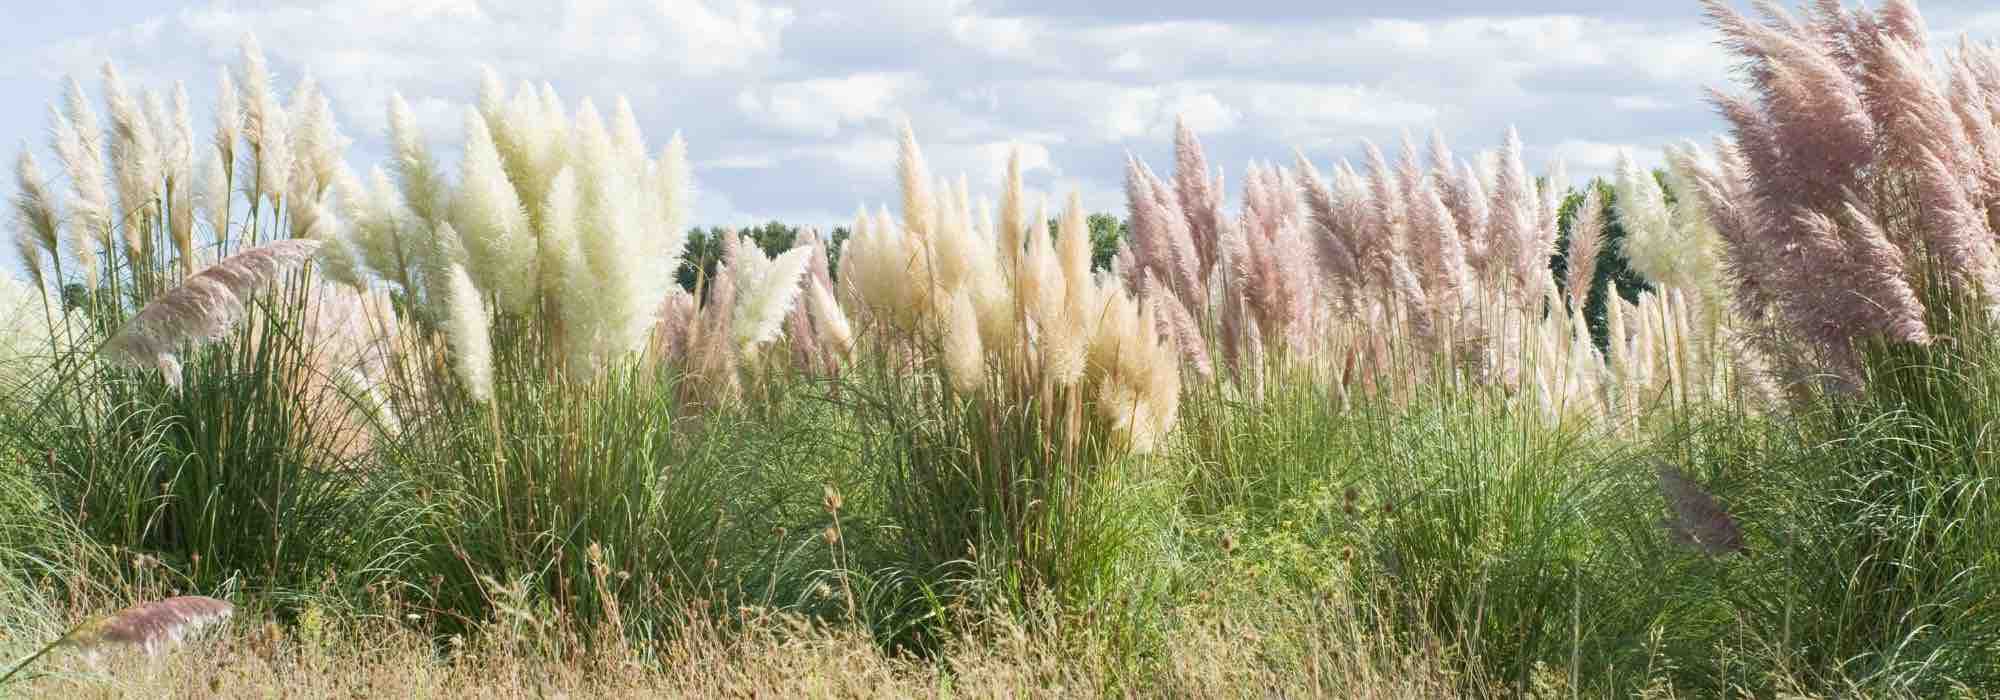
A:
<point x="769" y="655"/>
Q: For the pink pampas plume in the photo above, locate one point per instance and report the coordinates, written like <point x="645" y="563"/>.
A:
<point x="1586" y="239"/>
<point x="204" y="306"/>
<point x="1200" y="198"/>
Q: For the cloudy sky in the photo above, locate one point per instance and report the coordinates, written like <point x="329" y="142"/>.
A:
<point x="790" y="108"/>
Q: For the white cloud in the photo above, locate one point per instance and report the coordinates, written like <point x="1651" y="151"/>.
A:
<point x="790" y="107"/>
<point x="1640" y="103"/>
<point x="822" y="106"/>
<point x="1585" y="159"/>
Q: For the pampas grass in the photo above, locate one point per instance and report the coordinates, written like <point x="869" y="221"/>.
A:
<point x="37" y="228"/>
<point x="468" y="328"/>
<point x="152" y="627"/>
<point x="203" y="307"/>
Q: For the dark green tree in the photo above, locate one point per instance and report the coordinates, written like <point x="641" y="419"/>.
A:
<point x="1105" y="233"/>
<point x="704" y="249"/>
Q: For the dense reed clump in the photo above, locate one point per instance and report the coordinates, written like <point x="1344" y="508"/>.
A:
<point x="1453" y="255"/>
<point x="1856" y="199"/>
<point x="148" y="433"/>
<point x="1010" y="386"/>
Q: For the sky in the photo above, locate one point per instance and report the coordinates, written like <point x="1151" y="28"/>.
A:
<point x="791" y="109"/>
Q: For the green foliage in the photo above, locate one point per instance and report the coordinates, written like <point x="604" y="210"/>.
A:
<point x="979" y="505"/>
<point x="597" y="498"/>
<point x="237" y="473"/>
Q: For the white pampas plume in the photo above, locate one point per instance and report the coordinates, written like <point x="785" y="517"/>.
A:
<point x="316" y="139"/>
<point x="203" y="307"/>
<point x="264" y="125"/>
<point x="625" y="134"/>
<point x="915" y="177"/>
<point x="558" y="240"/>
<point x="1073" y="252"/>
<point x="417" y="172"/>
<point x="79" y="144"/>
<point x="228" y="118"/>
<point x="467" y="328"/>
<point x="490" y="220"/>
<point x="179" y="156"/>
<point x="964" y="357"/>
<point x="134" y="157"/>
<point x="1012" y="211"/>
<point x="492" y="93"/>
<point x="766" y="288"/>
<point x="177" y="151"/>
<point x="38" y="224"/>
<point x="834" y="329"/>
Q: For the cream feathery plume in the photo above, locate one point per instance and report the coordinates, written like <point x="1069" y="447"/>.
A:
<point x="38" y="223"/>
<point x="954" y="246"/>
<point x="1012" y="213"/>
<point x="180" y="166"/>
<point x="765" y="290"/>
<point x="134" y="158"/>
<point x="228" y="119"/>
<point x="1553" y="187"/>
<point x="625" y="136"/>
<point x="556" y="246"/>
<point x="915" y="177"/>
<point x="203" y="307"/>
<point x="467" y="328"/>
<point x="77" y="144"/>
<point x="1586" y="239"/>
<point x="1064" y="339"/>
<point x="213" y="198"/>
<point x="492" y="94"/>
<point x="317" y="139"/>
<point x="964" y="356"/>
<point x="177" y="150"/>
<point x="487" y="213"/>
<point x="417" y="171"/>
<point x="264" y="125"/>
<point x="312" y="218"/>
<point x="1041" y="286"/>
<point x="834" y="330"/>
